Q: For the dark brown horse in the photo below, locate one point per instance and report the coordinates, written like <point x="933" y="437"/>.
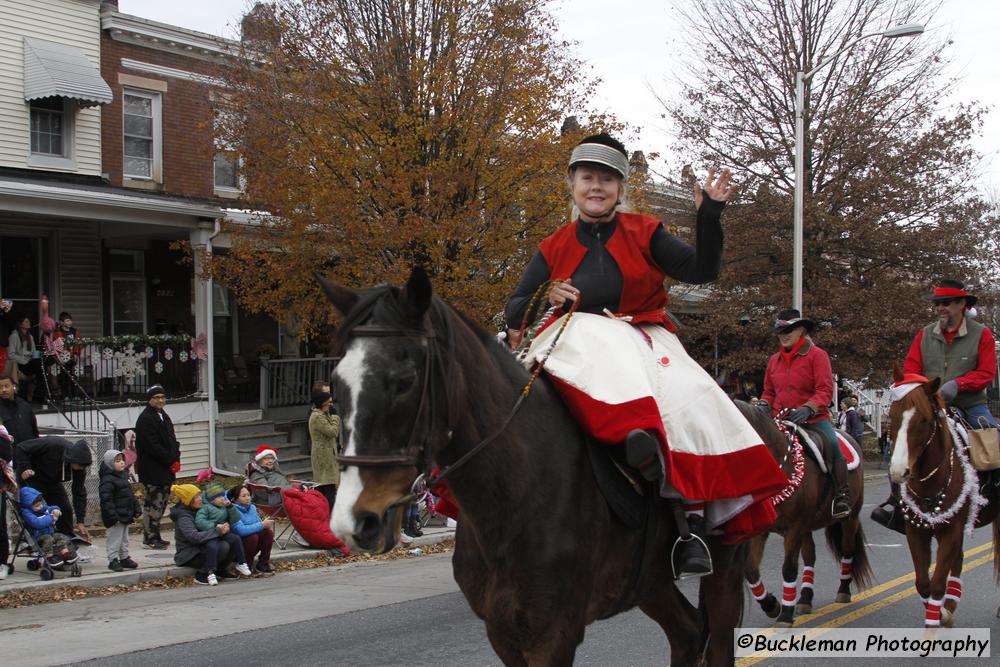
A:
<point x="940" y="496"/>
<point x="538" y="553"/>
<point x="805" y="508"/>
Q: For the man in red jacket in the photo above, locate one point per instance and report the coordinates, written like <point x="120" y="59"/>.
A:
<point x="799" y="379"/>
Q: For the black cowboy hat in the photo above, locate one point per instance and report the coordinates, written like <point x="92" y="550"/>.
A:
<point x="790" y="318"/>
<point x="951" y="289"/>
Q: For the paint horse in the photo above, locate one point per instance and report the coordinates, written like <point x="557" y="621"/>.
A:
<point x="803" y="507"/>
<point x="538" y="552"/>
<point x="940" y="494"/>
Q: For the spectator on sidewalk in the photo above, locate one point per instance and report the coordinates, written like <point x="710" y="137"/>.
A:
<point x="8" y="484"/>
<point x="44" y="464"/>
<point x="217" y="512"/>
<point x="158" y="459"/>
<point x="15" y="412"/>
<point x="324" y="431"/>
<point x="119" y="508"/>
<point x="850" y="420"/>
<point x="41" y="519"/>
<point x="257" y="534"/>
<point x="204" y="550"/>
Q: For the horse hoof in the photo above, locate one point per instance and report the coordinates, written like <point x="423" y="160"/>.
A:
<point x="947" y="618"/>
<point x="843" y="597"/>
<point x="803" y="609"/>
<point x="772" y="608"/>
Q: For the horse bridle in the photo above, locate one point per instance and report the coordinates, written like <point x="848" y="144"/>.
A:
<point x="416" y="450"/>
<point x="411" y="456"/>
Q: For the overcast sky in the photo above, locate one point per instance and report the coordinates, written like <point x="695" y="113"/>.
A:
<point x="630" y="44"/>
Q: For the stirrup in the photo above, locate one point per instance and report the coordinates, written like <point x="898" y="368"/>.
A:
<point x="678" y="573"/>
<point x="842" y="515"/>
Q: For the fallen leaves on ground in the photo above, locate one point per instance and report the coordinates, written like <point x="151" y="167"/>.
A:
<point x="32" y="596"/>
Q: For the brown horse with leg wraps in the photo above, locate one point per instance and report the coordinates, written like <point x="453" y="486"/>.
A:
<point x="940" y="494"/>
<point x="538" y="553"/>
<point x="804" y="507"/>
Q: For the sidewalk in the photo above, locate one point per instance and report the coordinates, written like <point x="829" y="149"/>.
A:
<point x="156" y="564"/>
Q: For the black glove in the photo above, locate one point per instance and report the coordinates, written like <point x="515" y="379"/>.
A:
<point x="800" y="415"/>
<point x="948" y="391"/>
<point x="764" y="405"/>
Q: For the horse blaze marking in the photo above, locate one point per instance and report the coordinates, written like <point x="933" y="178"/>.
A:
<point x="757" y="590"/>
<point x="846" y="568"/>
<point x="807" y="576"/>
<point x="900" y="453"/>
<point x="789" y="593"/>
<point x="954" y="590"/>
<point x="351" y="370"/>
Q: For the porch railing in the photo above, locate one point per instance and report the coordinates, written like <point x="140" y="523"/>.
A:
<point x="290" y="381"/>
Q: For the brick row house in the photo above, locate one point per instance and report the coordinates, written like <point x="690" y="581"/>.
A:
<point x="107" y="163"/>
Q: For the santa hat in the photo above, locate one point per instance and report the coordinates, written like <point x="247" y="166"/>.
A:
<point x="265" y="450"/>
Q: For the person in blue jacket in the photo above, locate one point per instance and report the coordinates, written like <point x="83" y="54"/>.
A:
<point x="40" y="519"/>
<point x="257" y="534"/>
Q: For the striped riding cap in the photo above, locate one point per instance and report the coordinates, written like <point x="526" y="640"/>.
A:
<point x="606" y="156"/>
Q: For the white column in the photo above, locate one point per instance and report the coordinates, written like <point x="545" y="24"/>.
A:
<point x="202" y="325"/>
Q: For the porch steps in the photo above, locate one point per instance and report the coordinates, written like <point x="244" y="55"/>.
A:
<point x="240" y="417"/>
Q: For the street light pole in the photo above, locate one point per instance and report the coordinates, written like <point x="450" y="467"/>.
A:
<point x="801" y="78"/>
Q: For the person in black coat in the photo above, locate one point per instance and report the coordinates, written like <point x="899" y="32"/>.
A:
<point x="158" y="458"/>
<point x="44" y="464"/>
<point x="16" y="413"/>
<point x="119" y="508"/>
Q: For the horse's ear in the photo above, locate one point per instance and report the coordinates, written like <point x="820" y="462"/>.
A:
<point x="897" y="372"/>
<point x="932" y="387"/>
<point x="342" y="298"/>
<point x="417" y="293"/>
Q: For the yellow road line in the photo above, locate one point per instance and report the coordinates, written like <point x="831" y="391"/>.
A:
<point x="865" y="610"/>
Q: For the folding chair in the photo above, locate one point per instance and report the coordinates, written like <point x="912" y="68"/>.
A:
<point x="270" y="505"/>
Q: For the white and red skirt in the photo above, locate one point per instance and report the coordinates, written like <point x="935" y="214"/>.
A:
<point x="616" y="377"/>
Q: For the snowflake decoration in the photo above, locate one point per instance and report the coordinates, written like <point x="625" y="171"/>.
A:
<point x="107" y="353"/>
<point x="78" y="370"/>
<point x="64" y="357"/>
<point x="54" y="370"/>
<point x="158" y="367"/>
<point x="149" y="352"/>
<point x="168" y="354"/>
<point x="183" y="356"/>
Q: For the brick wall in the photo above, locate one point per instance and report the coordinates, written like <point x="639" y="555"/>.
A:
<point x="188" y="150"/>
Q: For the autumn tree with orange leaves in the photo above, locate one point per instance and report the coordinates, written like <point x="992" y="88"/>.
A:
<point x="379" y="135"/>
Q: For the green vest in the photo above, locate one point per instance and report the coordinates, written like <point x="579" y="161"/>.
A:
<point x="953" y="361"/>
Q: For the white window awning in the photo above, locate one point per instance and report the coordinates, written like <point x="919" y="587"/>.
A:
<point x="59" y="70"/>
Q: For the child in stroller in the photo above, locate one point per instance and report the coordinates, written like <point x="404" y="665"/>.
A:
<point x="47" y="548"/>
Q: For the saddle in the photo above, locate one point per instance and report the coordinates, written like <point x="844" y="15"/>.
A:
<point x="623" y="489"/>
<point x="817" y="446"/>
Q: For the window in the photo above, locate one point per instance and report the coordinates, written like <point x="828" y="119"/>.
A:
<point x="141" y="121"/>
<point x="226" y="175"/>
<point x="47" y="126"/>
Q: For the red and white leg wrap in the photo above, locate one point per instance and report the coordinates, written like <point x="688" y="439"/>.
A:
<point x="846" y="568"/>
<point x="790" y="593"/>
<point x="758" y="591"/>
<point x="807" y="576"/>
<point x="925" y="602"/>
<point x="933" y="616"/>
<point x="954" y="589"/>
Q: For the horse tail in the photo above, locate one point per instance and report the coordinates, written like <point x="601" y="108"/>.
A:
<point x="861" y="572"/>
<point x="996" y="550"/>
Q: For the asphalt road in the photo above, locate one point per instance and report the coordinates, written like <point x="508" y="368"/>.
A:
<point x="409" y="612"/>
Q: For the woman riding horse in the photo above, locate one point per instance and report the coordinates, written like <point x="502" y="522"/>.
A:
<point x="799" y="379"/>
<point x="621" y="369"/>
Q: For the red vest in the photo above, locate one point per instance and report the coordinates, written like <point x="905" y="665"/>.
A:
<point x="643" y="296"/>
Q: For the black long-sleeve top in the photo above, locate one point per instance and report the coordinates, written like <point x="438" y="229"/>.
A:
<point x="598" y="276"/>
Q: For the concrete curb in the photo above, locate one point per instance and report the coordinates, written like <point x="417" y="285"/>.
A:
<point x="143" y="574"/>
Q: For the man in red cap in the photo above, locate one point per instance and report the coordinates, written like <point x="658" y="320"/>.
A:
<point x="959" y="350"/>
<point x="962" y="353"/>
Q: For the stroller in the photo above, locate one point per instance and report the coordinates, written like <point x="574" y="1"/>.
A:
<point x="26" y="546"/>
